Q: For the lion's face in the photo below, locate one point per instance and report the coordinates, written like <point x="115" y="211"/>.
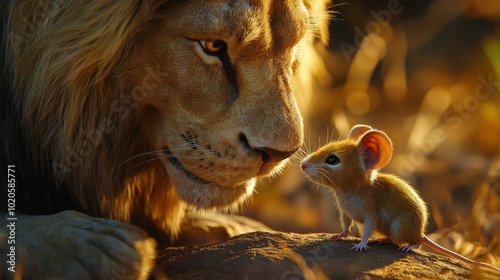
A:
<point x="220" y="106"/>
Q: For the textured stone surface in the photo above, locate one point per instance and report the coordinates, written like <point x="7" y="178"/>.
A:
<point x="278" y="255"/>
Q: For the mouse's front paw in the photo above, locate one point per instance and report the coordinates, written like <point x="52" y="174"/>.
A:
<point x="359" y="247"/>
<point x="341" y="235"/>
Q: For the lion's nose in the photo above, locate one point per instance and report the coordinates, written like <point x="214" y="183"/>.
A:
<point x="268" y="154"/>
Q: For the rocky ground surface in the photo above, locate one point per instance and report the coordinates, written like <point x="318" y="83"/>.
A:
<point x="278" y="255"/>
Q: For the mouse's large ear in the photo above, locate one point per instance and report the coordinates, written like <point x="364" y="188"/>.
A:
<point x="358" y="130"/>
<point x="377" y="149"/>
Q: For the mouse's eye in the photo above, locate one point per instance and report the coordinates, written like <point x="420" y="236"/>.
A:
<point x="332" y="160"/>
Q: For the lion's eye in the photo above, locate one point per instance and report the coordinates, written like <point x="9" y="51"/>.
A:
<point x="332" y="160"/>
<point x="213" y="47"/>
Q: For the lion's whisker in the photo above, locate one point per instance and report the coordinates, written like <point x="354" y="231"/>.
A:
<point x="158" y="152"/>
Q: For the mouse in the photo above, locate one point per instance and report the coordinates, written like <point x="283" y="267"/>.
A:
<point x="383" y="203"/>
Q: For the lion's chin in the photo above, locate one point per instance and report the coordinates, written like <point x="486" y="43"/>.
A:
<point x="203" y="194"/>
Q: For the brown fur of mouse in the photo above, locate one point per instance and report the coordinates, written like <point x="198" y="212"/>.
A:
<point x="383" y="203"/>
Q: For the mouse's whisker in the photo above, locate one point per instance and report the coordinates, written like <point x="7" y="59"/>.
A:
<point x="324" y="175"/>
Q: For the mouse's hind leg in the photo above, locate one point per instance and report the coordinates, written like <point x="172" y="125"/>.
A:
<point x="404" y="234"/>
<point x="408" y="248"/>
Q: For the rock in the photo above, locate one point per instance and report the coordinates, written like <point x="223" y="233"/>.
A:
<point x="278" y="255"/>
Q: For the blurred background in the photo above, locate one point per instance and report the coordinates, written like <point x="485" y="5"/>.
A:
<point x="428" y="74"/>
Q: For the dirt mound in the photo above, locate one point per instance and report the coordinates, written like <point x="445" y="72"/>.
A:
<point x="278" y="255"/>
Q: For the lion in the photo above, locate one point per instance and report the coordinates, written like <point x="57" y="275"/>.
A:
<point x="118" y="116"/>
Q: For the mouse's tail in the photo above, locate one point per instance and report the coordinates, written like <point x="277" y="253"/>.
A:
<point x="454" y="255"/>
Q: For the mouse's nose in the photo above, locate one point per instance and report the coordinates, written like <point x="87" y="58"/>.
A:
<point x="304" y="165"/>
